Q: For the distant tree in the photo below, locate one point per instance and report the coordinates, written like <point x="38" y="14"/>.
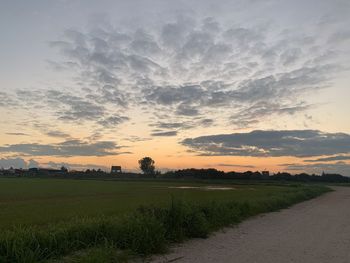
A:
<point x="64" y="169"/>
<point x="147" y="165"/>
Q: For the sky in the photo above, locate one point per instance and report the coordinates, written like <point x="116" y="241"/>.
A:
<point x="234" y="85"/>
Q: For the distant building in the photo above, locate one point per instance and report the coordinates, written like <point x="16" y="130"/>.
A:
<point x="265" y="174"/>
<point x="116" y="169"/>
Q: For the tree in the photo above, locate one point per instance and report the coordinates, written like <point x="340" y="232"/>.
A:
<point x="64" y="169"/>
<point x="147" y="165"/>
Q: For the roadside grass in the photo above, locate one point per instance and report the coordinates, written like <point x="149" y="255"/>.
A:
<point x="103" y="253"/>
<point x="146" y="230"/>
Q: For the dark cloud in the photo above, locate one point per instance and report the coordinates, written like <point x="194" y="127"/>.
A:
<point x="74" y="108"/>
<point x="317" y="168"/>
<point x="113" y="121"/>
<point x="17" y="134"/>
<point x="172" y="95"/>
<point x="66" y="148"/>
<point x="299" y="143"/>
<point x="58" y="134"/>
<point x="172" y="125"/>
<point x="214" y="65"/>
<point x="206" y="122"/>
<point x="185" y="68"/>
<point x="253" y="99"/>
<point x="134" y="138"/>
<point x="186" y="110"/>
<point x="184" y="125"/>
<point x="260" y="110"/>
<point x="65" y="105"/>
<point x="330" y="159"/>
<point x="164" y="133"/>
<point x="235" y="165"/>
<point x="110" y="94"/>
<point x="68" y="107"/>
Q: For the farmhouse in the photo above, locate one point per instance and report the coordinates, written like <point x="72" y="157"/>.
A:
<point x="116" y="169"/>
<point x="265" y="174"/>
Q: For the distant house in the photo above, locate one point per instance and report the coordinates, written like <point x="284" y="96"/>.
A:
<point x="265" y="174"/>
<point x="116" y="169"/>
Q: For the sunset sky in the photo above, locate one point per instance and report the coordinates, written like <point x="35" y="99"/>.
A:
<point x="235" y="84"/>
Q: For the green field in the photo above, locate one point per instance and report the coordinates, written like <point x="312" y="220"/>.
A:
<point x="40" y="201"/>
<point x="72" y="210"/>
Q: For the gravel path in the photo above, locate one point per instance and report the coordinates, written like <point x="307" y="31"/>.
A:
<point x="317" y="230"/>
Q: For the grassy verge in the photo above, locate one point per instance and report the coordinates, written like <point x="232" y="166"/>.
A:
<point x="145" y="231"/>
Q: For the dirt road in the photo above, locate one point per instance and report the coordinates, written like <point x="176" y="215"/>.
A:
<point x="313" y="231"/>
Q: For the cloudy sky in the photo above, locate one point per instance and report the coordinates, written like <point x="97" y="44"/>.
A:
<point x="235" y="85"/>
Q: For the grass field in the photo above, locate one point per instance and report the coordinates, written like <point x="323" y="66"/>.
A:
<point x="60" y="217"/>
<point x="39" y="201"/>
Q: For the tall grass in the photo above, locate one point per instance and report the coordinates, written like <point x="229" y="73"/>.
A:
<point x="145" y="231"/>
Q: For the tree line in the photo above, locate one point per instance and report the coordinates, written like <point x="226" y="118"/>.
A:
<point x="147" y="166"/>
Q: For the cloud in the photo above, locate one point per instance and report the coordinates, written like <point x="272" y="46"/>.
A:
<point x="235" y="165"/>
<point x="6" y="100"/>
<point x="110" y="94"/>
<point x="75" y="108"/>
<point x="13" y="162"/>
<point x="19" y="163"/>
<point x="298" y="143"/>
<point x="58" y="134"/>
<point x="185" y="69"/>
<point x="64" y="149"/>
<point x="191" y="66"/>
<point x="260" y="110"/>
<point x="172" y="125"/>
<point x="340" y="37"/>
<point x="330" y="159"/>
<point x="187" y="110"/>
<point x="17" y="134"/>
<point x="253" y="99"/>
<point x="113" y="121"/>
<point x="172" y="95"/>
<point x="75" y="166"/>
<point x="183" y="125"/>
<point x="317" y="168"/>
<point x="134" y="138"/>
<point x="66" y="106"/>
<point x="164" y="134"/>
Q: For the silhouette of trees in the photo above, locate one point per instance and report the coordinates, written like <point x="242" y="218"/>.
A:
<point x="249" y="175"/>
<point x="147" y="165"/>
<point x="64" y="169"/>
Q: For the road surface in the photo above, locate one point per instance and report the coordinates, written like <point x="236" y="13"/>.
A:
<point x="317" y="230"/>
